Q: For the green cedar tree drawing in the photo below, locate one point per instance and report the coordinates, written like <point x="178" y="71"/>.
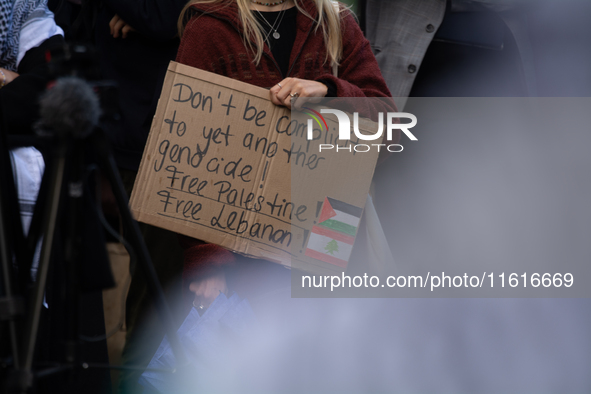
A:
<point x="331" y="247"/>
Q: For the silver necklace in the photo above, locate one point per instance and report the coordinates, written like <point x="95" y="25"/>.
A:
<point x="277" y="23"/>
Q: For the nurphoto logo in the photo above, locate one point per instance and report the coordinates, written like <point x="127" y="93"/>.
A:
<point x="345" y="130"/>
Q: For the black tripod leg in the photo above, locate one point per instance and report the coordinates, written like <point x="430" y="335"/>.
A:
<point x="6" y="253"/>
<point x="73" y="247"/>
<point x="109" y="166"/>
<point x="12" y="215"/>
<point x="49" y="226"/>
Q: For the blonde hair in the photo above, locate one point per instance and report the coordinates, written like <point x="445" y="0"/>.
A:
<point x="329" y="22"/>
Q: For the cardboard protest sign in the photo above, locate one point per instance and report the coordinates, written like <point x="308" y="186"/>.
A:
<point x="225" y="165"/>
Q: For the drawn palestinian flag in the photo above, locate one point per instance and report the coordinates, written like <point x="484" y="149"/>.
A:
<point x="332" y="238"/>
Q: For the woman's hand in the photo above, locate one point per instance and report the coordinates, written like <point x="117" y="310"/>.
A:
<point x="284" y="91"/>
<point x="207" y="289"/>
<point x="7" y="76"/>
<point x="119" y="27"/>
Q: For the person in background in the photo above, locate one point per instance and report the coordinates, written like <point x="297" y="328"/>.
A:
<point x="136" y="42"/>
<point x="454" y="48"/>
<point x="27" y="32"/>
<point x="26" y="26"/>
<point x="489" y="48"/>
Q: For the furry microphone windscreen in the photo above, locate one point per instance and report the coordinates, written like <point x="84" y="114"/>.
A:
<point x="70" y="107"/>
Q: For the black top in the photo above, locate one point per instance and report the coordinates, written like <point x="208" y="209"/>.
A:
<point x="138" y="64"/>
<point x="285" y="24"/>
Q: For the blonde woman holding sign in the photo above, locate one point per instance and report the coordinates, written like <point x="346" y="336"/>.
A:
<point x="295" y="48"/>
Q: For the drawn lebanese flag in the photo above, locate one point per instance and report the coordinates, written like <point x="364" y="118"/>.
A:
<point x="333" y="236"/>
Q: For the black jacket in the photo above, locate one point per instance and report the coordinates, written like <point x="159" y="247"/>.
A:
<point x="138" y="64"/>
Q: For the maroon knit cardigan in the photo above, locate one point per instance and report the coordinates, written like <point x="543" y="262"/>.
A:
<point x="212" y="41"/>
